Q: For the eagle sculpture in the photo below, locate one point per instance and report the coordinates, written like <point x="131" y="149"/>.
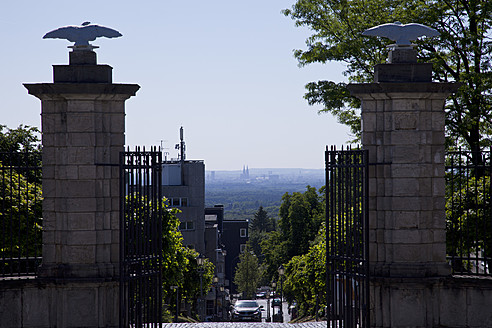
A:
<point x="81" y="35"/>
<point x="402" y="34"/>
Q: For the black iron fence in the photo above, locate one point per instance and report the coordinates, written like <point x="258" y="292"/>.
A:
<point x="347" y="238"/>
<point x="141" y="238"/>
<point x="20" y="213"/>
<point x="468" y="212"/>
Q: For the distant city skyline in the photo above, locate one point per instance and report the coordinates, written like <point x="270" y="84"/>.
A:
<point x="223" y="70"/>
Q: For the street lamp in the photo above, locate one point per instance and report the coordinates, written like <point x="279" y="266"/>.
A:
<point x="222" y="301"/>
<point x="200" y="261"/>
<point x="216" y="285"/>
<point x="274" y="287"/>
<point x="281" y="272"/>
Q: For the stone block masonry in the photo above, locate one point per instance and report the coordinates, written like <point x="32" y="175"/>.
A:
<point x="403" y="129"/>
<point x="83" y="133"/>
<point x="83" y="127"/>
<point x="408" y="189"/>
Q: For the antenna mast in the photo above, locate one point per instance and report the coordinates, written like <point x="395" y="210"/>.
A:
<point x="182" y="146"/>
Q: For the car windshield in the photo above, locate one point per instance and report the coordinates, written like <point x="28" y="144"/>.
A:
<point x="247" y="304"/>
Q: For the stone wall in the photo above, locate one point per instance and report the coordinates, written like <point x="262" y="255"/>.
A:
<point x="452" y="302"/>
<point x="58" y="303"/>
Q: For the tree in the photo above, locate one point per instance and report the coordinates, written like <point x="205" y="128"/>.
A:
<point x="247" y="275"/>
<point x="306" y="277"/>
<point x="20" y="217"/>
<point x="301" y="215"/>
<point x="20" y="197"/>
<point x="261" y="222"/>
<point x="24" y="138"/>
<point x="179" y="265"/>
<point x="462" y="53"/>
<point x="21" y="148"/>
<point x="468" y="223"/>
<point x="259" y="226"/>
<point x="190" y="280"/>
<point x="274" y="248"/>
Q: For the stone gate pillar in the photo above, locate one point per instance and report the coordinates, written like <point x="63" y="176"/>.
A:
<point x="403" y="129"/>
<point x="83" y="125"/>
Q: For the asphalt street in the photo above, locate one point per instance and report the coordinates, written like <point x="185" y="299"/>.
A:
<point x="263" y="324"/>
<point x="245" y="325"/>
<point x="285" y="312"/>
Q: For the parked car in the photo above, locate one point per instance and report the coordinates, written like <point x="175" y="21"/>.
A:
<point x="246" y="310"/>
<point x="261" y="295"/>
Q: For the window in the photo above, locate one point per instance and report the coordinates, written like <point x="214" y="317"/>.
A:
<point x="242" y="232"/>
<point x="242" y="248"/>
<point x="178" y="202"/>
<point x="186" y="225"/>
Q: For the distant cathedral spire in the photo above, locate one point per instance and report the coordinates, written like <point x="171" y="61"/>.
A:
<point x="245" y="174"/>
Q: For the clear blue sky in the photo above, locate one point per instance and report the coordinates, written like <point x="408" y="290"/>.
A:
<point x="222" y="69"/>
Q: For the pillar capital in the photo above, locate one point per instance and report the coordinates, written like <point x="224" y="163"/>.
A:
<point x="99" y="91"/>
<point x="391" y="90"/>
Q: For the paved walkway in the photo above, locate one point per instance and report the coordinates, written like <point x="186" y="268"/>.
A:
<point x="320" y="324"/>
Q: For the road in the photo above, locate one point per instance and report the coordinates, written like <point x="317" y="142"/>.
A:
<point x="245" y="325"/>
<point x="284" y="310"/>
<point x="263" y="324"/>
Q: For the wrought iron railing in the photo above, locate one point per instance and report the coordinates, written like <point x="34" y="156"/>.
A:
<point x="141" y="215"/>
<point x="347" y="237"/>
<point x="20" y="213"/>
<point x="469" y="212"/>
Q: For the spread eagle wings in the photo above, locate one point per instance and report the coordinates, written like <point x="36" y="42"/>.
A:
<point x="81" y="35"/>
<point x="402" y="34"/>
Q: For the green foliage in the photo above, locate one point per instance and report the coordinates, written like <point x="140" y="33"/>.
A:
<point x="274" y="249"/>
<point x="468" y="223"/>
<point x="301" y="215"/>
<point x="20" y="194"/>
<point x="179" y="265"/>
<point x="261" y="222"/>
<point x="306" y="276"/>
<point x="190" y="281"/>
<point x="241" y="200"/>
<point x="247" y="274"/>
<point x="462" y="53"/>
<point x="24" y="138"/>
<point x="20" y="216"/>
<point x="259" y="227"/>
<point x="21" y="148"/>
